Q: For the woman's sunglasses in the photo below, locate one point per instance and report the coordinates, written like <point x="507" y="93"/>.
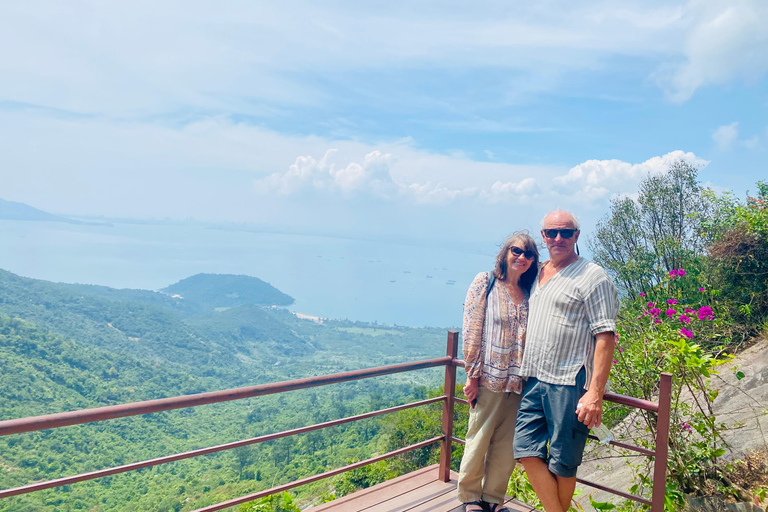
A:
<point x="565" y="233"/>
<point x="529" y="255"/>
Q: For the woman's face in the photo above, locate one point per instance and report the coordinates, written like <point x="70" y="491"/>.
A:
<point x="517" y="264"/>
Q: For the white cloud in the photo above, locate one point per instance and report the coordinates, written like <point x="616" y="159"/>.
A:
<point x="143" y="58"/>
<point x="601" y="179"/>
<point x="724" y="39"/>
<point x="593" y="180"/>
<point x="752" y="142"/>
<point x="372" y="174"/>
<point x="725" y="136"/>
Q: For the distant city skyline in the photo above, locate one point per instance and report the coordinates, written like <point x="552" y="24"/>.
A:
<point x="439" y="120"/>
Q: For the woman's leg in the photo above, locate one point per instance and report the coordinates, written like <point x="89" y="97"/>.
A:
<point x="479" y="432"/>
<point x="500" y="461"/>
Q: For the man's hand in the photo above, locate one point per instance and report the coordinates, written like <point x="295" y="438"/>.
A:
<point x="591" y="410"/>
<point x="470" y="390"/>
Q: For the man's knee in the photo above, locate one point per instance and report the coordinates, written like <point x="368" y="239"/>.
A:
<point x="532" y="462"/>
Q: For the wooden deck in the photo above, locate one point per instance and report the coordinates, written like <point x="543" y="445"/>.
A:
<point x="420" y="491"/>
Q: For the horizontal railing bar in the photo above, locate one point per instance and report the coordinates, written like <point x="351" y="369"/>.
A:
<point x="633" y="448"/>
<point x="6" y="493"/>
<point x="458" y="440"/>
<point x="308" y="480"/>
<point x="638" y="403"/>
<point x="614" y="491"/>
<point x="461" y="400"/>
<point x="17" y="426"/>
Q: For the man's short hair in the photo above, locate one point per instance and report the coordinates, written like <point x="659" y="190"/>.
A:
<point x="560" y="210"/>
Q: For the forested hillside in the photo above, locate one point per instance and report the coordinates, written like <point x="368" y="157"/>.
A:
<point x="66" y="347"/>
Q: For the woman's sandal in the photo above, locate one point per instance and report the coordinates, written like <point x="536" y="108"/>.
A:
<point x="479" y="506"/>
<point x="494" y="507"/>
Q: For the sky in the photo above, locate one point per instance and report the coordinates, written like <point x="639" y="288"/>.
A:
<point x="404" y="120"/>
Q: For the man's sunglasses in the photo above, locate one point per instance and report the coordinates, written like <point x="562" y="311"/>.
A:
<point x="529" y="255"/>
<point x="565" y="233"/>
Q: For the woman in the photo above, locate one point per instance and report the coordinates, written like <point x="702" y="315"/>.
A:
<point x="495" y="318"/>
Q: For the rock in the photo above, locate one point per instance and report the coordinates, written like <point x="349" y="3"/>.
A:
<point x="713" y="504"/>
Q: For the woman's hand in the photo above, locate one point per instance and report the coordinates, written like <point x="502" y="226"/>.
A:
<point x="470" y="390"/>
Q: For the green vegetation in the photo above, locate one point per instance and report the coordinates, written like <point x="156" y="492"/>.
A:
<point x="693" y="268"/>
<point x="67" y="347"/>
<point x="225" y="290"/>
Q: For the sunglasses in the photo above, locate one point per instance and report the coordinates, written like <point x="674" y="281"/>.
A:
<point x="565" y="233"/>
<point x="516" y="251"/>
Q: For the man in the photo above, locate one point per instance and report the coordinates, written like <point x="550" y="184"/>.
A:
<point x="567" y="359"/>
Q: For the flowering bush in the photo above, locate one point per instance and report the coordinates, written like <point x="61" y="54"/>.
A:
<point x="683" y="340"/>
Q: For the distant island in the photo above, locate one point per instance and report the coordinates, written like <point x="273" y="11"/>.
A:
<point x="12" y="210"/>
<point x="227" y="291"/>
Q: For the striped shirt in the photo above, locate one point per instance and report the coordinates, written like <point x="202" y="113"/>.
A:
<point x="497" y="361"/>
<point x="566" y="313"/>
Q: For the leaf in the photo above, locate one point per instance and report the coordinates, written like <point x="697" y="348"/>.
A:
<point x="740" y="375"/>
<point x="601" y="505"/>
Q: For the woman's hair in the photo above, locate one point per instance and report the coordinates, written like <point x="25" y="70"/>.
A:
<point x="500" y="270"/>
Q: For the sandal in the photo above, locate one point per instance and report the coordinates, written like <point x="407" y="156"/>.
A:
<point x="479" y="504"/>
<point x="494" y="507"/>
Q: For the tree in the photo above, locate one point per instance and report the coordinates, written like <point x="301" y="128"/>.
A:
<point x="641" y="240"/>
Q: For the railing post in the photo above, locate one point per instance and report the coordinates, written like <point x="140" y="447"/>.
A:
<point x="662" y="443"/>
<point x="450" y="385"/>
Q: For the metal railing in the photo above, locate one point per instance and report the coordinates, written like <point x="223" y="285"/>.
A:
<point x="17" y="426"/>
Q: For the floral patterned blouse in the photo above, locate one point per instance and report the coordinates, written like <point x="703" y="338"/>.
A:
<point x="497" y="361"/>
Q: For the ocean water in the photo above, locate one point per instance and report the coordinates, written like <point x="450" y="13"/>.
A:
<point x="414" y="284"/>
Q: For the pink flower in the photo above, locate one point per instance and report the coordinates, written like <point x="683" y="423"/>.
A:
<point x="706" y="312"/>
<point x="655" y="312"/>
<point x="642" y="294"/>
<point x="685" y="332"/>
<point x="621" y="350"/>
<point x="680" y="272"/>
<point x="689" y="312"/>
<point x="651" y="304"/>
<point x="673" y="274"/>
<point x="656" y="321"/>
<point x="671" y="301"/>
<point x="685" y="319"/>
<point x="615" y="361"/>
<point x="671" y="312"/>
<point x="701" y="289"/>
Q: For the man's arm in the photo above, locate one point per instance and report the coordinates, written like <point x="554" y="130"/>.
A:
<point x="591" y="411"/>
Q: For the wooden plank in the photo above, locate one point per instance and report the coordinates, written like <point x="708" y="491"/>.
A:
<point x="356" y="501"/>
<point x="518" y="506"/>
<point x="415" y="497"/>
<point x="442" y="503"/>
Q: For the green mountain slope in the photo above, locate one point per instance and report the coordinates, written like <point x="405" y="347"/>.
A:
<point x="45" y="373"/>
<point x="226" y="290"/>
<point x="142" y="330"/>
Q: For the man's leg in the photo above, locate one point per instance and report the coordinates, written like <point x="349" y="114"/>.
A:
<point x="568" y="436"/>
<point x="565" y="489"/>
<point x="545" y="484"/>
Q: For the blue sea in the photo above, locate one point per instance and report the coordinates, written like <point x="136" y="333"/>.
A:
<point x="417" y="284"/>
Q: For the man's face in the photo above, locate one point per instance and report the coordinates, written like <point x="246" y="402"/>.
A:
<point x="559" y="247"/>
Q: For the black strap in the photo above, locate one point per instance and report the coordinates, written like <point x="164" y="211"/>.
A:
<point x="491" y="282"/>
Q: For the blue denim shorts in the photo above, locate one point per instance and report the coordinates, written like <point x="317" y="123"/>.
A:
<point x="547" y="416"/>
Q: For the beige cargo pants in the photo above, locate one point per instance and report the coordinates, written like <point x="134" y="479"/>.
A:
<point x="488" y="462"/>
